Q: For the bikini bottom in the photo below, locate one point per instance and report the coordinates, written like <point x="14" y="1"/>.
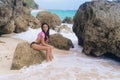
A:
<point x="33" y="43"/>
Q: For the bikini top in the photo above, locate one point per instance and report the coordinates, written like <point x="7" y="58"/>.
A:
<point x="42" y="34"/>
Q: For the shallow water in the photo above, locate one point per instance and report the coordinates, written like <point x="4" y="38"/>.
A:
<point x="69" y="65"/>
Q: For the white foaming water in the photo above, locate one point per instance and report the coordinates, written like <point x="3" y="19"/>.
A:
<point x="67" y="65"/>
<point x="35" y="12"/>
<point x="30" y="35"/>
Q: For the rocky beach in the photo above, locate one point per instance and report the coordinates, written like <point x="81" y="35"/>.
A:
<point x="66" y="65"/>
<point x="80" y="44"/>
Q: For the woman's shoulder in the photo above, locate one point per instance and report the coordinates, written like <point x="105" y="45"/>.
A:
<point x="41" y="33"/>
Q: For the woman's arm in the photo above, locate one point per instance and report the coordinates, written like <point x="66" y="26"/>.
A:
<point x="44" y="43"/>
<point x="37" y="40"/>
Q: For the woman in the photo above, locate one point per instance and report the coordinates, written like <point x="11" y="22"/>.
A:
<point x="41" y="42"/>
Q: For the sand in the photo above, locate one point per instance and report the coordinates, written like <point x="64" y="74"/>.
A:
<point x="7" y="48"/>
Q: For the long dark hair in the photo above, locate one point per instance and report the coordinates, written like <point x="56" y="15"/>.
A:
<point x="46" y="33"/>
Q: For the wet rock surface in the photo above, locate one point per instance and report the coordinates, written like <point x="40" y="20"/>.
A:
<point x="97" y="26"/>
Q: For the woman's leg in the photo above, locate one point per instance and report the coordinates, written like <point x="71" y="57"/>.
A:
<point x="51" y="55"/>
<point x="40" y="47"/>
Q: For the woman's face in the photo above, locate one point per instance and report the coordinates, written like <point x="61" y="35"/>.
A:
<point x="45" y="27"/>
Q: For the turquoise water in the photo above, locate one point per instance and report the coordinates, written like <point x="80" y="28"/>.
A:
<point x="61" y="13"/>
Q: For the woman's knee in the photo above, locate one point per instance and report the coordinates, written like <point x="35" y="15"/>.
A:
<point x="51" y="47"/>
<point x="48" y="48"/>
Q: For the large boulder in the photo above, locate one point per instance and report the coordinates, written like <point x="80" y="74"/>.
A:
<point x="46" y="17"/>
<point x="34" y="22"/>
<point x="21" y="24"/>
<point x="26" y="56"/>
<point x="5" y="14"/>
<point x="60" y="42"/>
<point x="97" y="26"/>
<point x="9" y="27"/>
<point x="14" y="16"/>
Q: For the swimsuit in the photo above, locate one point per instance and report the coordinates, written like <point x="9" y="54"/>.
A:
<point x="33" y="43"/>
<point x="41" y="34"/>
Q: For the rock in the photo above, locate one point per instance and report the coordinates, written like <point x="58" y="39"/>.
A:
<point x="63" y="28"/>
<point x="52" y="19"/>
<point x="17" y="12"/>
<point x="5" y="13"/>
<point x="34" y="23"/>
<point x="21" y="24"/>
<point x="61" y="42"/>
<point x="26" y="56"/>
<point x="68" y="20"/>
<point x="8" y="28"/>
<point x="97" y="26"/>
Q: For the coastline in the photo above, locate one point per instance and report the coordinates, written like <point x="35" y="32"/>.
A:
<point x="79" y="65"/>
<point x="69" y="65"/>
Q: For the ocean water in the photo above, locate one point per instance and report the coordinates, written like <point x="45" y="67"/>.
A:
<point x="66" y="65"/>
<point x="61" y="13"/>
<point x="64" y="13"/>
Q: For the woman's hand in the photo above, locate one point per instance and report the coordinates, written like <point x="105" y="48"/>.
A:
<point x="52" y="46"/>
